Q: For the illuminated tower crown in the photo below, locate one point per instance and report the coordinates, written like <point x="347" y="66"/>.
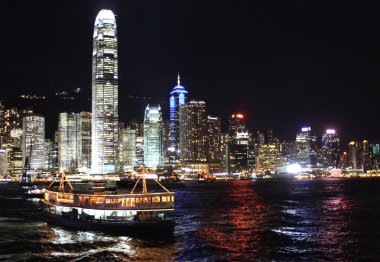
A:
<point x="177" y="99"/>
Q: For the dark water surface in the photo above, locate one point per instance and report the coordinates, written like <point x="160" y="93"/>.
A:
<point x="310" y="220"/>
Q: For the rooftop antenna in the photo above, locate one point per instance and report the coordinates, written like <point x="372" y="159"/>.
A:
<point x="178" y="79"/>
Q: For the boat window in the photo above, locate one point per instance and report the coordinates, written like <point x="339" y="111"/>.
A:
<point x="172" y="198"/>
<point x="92" y="200"/>
<point x="100" y="200"/>
<point x="113" y="200"/>
<point x="65" y="198"/>
<point x="156" y="199"/>
<point x="138" y="200"/>
<point x="133" y="202"/>
<point x="147" y="200"/>
<point x="127" y="202"/>
<point x="165" y="198"/>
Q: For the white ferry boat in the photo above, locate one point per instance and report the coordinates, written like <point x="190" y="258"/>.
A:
<point x="131" y="214"/>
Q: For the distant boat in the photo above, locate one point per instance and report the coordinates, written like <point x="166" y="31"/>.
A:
<point x="204" y="178"/>
<point x="131" y="214"/>
<point x="172" y="181"/>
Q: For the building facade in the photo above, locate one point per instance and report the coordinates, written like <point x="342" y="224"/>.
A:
<point x="306" y="145"/>
<point x="2" y="124"/>
<point x="74" y="142"/>
<point x="177" y="99"/>
<point x="51" y="156"/>
<point x="329" y="153"/>
<point x="153" y="156"/>
<point x="239" y="147"/>
<point x="213" y="139"/>
<point x="193" y="132"/>
<point x="130" y="149"/>
<point x="33" y="141"/>
<point x="267" y="158"/>
<point x="104" y="94"/>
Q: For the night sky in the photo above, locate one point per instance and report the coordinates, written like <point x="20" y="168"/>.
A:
<point x="284" y="64"/>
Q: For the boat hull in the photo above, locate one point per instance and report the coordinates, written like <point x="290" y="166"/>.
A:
<point x="149" y="228"/>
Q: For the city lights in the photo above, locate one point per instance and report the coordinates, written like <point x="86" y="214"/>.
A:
<point x="330" y="131"/>
<point x="294" y="169"/>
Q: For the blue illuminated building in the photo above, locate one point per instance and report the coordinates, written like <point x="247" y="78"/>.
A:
<point x="177" y="99"/>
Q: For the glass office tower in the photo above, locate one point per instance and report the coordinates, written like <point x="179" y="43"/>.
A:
<point x="104" y="94"/>
<point x="153" y="136"/>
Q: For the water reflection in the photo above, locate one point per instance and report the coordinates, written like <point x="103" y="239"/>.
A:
<point x="232" y="221"/>
<point x="235" y="228"/>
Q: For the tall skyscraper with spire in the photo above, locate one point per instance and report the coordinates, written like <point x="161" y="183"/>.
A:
<point x="177" y="99"/>
<point x="104" y="94"/>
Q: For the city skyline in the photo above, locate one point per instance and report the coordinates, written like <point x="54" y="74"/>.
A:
<point x="212" y="130"/>
<point x="318" y="75"/>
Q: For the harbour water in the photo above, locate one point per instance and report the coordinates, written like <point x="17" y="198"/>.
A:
<point x="276" y="220"/>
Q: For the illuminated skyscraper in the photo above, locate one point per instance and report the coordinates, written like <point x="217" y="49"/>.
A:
<point x="165" y="142"/>
<point x="51" y="155"/>
<point x="267" y="152"/>
<point x="68" y="142"/>
<point x="306" y="144"/>
<point x="3" y="162"/>
<point x="33" y="145"/>
<point x="177" y="99"/>
<point x="138" y="128"/>
<point x="213" y="139"/>
<point x="330" y="151"/>
<point x="353" y="152"/>
<point x="139" y="150"/>
<point x="239" y="148"/>
<point x="375" y="156"/>
<point x="74" y="142"/>
<point x="85" y="141"/>
<point x="128" y="154"/>
<point x="360" y="155"/>
<point x="193" y="132"/>
<point x="267" y="157"/>
<point x="288" y="152"/>
<point x="13" y="122"/>
<point x="2" y="124"/>
<point x="104" y="94"/>
<point x="365" y="156"/>
<point x="153" y="136"/>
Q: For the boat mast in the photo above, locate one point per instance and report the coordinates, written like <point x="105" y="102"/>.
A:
<point x="62" y="182"/>
<point x="145" y="189"/>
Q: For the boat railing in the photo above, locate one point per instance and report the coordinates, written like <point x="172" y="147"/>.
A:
<point x="110" y="202"/>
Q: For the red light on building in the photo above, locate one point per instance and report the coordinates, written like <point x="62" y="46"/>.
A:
<point x="240" y="116"/>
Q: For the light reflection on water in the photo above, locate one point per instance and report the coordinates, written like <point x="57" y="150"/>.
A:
<point x="234" y="220"/>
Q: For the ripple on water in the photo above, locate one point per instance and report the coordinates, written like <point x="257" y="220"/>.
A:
<point x="231" y="221"/>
